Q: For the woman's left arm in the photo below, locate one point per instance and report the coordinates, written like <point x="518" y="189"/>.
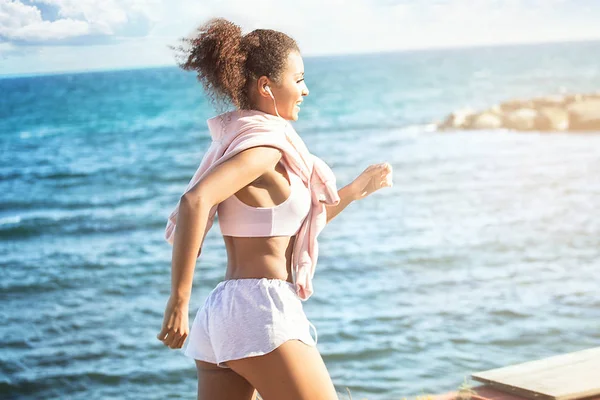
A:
<point x="347" y="196"/>
<point x="373" y="178"/>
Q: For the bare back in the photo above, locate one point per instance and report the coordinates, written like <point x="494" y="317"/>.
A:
<point x="262" y="257"/>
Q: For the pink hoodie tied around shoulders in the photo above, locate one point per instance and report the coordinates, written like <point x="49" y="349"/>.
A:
<point x="239" y="130"/>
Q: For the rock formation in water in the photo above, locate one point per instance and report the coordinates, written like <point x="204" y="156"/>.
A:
<point x="575" y="112"/>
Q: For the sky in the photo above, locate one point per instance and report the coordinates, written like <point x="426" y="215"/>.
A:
<point x="48" y="36"/>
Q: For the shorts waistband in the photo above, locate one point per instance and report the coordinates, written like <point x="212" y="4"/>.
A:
<point x="254" y="281"/>
<point x="261" y="281"/>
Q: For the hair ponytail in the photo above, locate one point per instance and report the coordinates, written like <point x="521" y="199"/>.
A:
<point x="227" y="62"/>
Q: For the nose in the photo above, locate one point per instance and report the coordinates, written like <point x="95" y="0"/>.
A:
<point x="304" y="89"/>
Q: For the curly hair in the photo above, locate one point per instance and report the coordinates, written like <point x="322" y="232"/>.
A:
<point x="228" y="63"/>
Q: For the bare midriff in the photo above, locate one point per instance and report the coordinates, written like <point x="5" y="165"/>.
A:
<point x="259" y="257"/>
<point x="262" y="257"/>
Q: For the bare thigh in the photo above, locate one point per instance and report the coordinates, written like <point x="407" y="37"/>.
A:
<point x="293" y="371"/>
<point x="216" y="383"/>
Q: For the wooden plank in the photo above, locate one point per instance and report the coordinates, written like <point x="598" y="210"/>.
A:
<point x="563" y="377"/>
<point x="486" y="392"/>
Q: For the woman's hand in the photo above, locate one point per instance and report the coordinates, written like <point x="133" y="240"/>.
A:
<point x="175" y="327"/>
<point x="372" y="179"/>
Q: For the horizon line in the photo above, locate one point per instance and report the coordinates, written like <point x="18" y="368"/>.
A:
<point x="308" y="56"/>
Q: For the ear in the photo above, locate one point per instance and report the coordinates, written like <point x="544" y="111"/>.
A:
<point x="261" y="83"/>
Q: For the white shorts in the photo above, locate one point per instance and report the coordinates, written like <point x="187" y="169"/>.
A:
<point x="245" y="318"/>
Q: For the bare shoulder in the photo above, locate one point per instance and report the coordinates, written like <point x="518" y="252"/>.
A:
<point x="259" y="157"/>
<point x="235" y="173"/>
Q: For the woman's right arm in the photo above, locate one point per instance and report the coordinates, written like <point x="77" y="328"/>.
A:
<point x="194" y="207"/>
<point x="188" y="237"/>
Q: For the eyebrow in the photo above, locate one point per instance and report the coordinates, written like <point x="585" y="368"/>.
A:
<point x="299" y="73"/>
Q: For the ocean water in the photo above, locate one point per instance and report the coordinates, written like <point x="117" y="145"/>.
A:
<point x="484" y="253"/>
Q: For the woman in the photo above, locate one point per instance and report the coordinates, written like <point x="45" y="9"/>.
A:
<point x="251" y="333"/>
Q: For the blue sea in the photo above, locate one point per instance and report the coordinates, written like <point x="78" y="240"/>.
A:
<point x="484" y="253"/>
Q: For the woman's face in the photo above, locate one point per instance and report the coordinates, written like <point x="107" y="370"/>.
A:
<point x="290" y="91"/>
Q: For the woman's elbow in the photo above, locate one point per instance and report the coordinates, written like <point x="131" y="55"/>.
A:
<point x="194" y="201"/>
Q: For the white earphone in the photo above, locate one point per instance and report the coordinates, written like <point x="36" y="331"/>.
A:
<point x="268" y="89"/>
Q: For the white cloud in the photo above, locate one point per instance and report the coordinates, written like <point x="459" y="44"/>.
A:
<point x="15" y="15"/>
<point x="107" y="15"/>
<point x="21" y="22"/>
<point x="55" y="30"/>
<point x="140" y="30"/>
